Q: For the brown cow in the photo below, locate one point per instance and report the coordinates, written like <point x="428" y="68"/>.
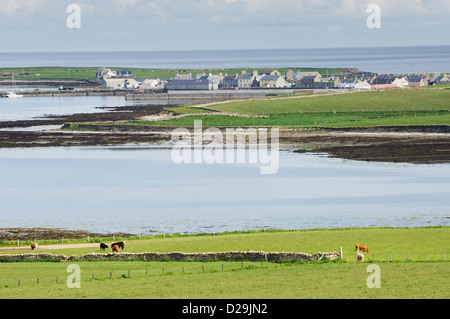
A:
<point x="115" y="248"/>
<point x="34" y="246"/>
<point x="362" y="247"/>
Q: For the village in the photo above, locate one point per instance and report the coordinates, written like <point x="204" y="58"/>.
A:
<point x="267" y="79"/>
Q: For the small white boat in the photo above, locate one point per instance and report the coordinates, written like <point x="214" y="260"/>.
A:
<point x="13" y="95"/>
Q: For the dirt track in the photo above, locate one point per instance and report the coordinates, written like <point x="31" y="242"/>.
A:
<point x="47" y="247"/>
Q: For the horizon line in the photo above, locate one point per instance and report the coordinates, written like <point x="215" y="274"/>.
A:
<point x="215" y="50"/>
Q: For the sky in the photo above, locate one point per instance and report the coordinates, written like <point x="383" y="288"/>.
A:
<point x="160" y="25"/>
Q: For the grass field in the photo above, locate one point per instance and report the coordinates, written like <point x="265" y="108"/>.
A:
<point x="395" y="107"/>
<point x="74" y="73"/>
<point x="417" y="269"/>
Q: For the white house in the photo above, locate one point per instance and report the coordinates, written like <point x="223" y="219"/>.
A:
<point x="348" y="83"/>
<point x="148" y="83"/>
<point x="113" y="84"/>
<point x="362" y="85"/>
<point x="401" y="82"/>
<point x="132" y="84"/>
<point x="272" y="81"/>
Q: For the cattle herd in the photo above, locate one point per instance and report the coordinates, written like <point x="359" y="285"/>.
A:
<point x="114" y="246"/>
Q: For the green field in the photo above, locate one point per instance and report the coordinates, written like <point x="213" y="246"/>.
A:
<point x="75" y="73"/>
<point x="412" y="263"/>
<point x="395" y="107"/>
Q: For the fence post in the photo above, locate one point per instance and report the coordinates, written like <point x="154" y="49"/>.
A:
<point x="340" y="253"/>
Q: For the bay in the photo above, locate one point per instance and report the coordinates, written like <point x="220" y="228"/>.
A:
<point x="138" y="189"/>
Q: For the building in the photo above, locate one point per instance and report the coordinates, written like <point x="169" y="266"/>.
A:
<point x="442" y="79"/>
<point x="149" y="83"/>
<point x="270" y="72"/>
<point x="184" y="77"/>
<point x="315" y="82"/>
<point x="102" y="73"/>
<point x="289" y="75"/>
<point x="348" y="83"/>
<point x="182" y="85"/>
<point x="362" y="85"/>
<point x="247" y="80"/>
<point x="272" y="81"/>
<point x="229" y="82"/>
<point x="113" y="84"/>
<point x="386" y="78"/>
<point x="132" y="84"/>
<point x="300" y="75"/>
<point x="415" y="81"/>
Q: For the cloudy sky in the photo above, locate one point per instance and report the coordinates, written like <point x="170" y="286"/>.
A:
<point x="134" y="25"/>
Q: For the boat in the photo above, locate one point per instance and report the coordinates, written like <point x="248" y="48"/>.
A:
<point x="15" y="93"/>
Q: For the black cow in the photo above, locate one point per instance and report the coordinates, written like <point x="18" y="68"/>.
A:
<point x="121" y="244"/>
<point x="103" y="246"/>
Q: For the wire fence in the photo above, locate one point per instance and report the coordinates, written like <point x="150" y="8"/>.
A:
<point x="153" y="270"/>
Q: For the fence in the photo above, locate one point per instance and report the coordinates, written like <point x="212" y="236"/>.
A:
<point x="148" y="271"/>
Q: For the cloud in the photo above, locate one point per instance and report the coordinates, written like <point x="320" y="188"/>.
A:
<point x="123" y="5"/>
<point x="21" y="7"/>
<point x="223" y="22"/>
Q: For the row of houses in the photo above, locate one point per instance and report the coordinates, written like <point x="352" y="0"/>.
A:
<point x="270" y="78"/>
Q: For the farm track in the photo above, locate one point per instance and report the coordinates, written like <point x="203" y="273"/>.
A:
<point x="51" y="247"/>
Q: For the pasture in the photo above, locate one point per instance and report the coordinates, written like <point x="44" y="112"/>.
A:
<point x="412" y="263"/>
<point x="394" y="107"/>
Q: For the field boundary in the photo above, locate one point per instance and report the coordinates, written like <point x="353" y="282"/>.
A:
<point x="178" y="256"/>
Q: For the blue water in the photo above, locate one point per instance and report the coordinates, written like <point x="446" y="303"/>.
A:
<point x="384" y="60"/>
<point x="138" y="189"/>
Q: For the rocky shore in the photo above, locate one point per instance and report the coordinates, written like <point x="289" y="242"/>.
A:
<point x="12" y="234"/>
<point x="409" y="144"/>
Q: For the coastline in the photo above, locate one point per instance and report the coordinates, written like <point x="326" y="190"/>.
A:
<point x="418" y="144"/>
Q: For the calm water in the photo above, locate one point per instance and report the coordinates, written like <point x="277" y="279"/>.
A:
<point x="138" y="189"/>
<point x="28" y="108"/>
<point x="394" y="59"/>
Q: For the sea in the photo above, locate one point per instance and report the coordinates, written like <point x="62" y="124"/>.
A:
<point x="140" y="189"/>
<point x="431" y="59"/>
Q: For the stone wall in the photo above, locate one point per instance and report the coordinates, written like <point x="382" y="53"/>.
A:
<point x="179" y="256"/>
